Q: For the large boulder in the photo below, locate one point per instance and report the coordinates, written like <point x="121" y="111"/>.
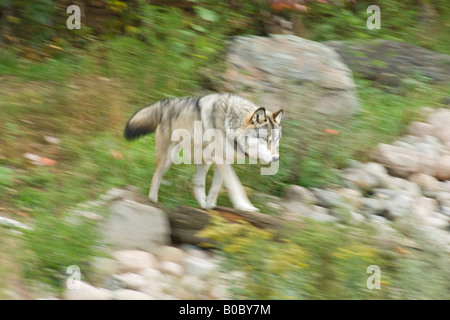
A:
<point x="133" y="225"/>
<point x="389" y="62"/>
<point x="287" y="71"/>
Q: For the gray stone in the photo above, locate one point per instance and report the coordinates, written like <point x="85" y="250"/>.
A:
<point x="170" y="253"/>
<point x="372" y="206"/>
<point x="198" y="267"/>
<point x="398" y="206"/>
<point x="133" y="225"/>
<point x="351" y="197"/>
<point x="100" y="270"/>
<point x="445" y="210"/>
<point x="400" y="60"/>
<point x="130" y="280"/>
<point x="328" y="198"/>
<point x="399" y="161"/>
<point x="426" y="182"/>
<point x="422" y="209"/>
<point x="359" y="178"/>
<point x="292" y="72"/>
<point x="171" y="268"/>
<point x="298" y="193"/>
<point x="85" y="291"/>
<point x="134" y="260"/>
<point x="126" y="294"/>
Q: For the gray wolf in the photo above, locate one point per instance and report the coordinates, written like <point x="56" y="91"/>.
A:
<point x="245" y="126"/>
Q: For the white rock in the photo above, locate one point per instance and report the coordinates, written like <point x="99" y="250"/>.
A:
<point x="421" y="129"/>
<point x="193" y="283"/>
<point x="152" y="275"/>
<point x="131" y="281"/>
<point x="127" y="294"/>
<point x="422" y="208"/>
<point x="298" y="193"/>
<point x="399" y="205"/>
<point x="425" y="182"/>
<point x="132" y="225"/>
<point x="170" y="253"/>
<point x="171" y="268"/>
<point x="84" y="291"/>
<point x="198" y="267"/>
<point x="134" y="260"/>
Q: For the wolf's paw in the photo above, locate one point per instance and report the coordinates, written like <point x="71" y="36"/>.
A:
<point x="249" y="208"/>
<point x="209" y="206"/>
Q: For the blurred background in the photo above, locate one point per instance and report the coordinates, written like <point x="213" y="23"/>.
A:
<point x="66" y="94"/>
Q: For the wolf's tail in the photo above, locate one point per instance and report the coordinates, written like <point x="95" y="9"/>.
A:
<point x="144" y="121"/>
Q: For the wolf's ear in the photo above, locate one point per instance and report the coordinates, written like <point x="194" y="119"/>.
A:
<point x="259" y="116"/>
<point x="277" y="116"/>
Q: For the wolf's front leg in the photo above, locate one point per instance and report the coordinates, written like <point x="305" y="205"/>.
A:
<point x="211" y="199"/>
<point x="199" y="184"/>
<point x="235" y="189"/>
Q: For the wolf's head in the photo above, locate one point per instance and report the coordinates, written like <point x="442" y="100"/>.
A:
<point x="261" y="135"/>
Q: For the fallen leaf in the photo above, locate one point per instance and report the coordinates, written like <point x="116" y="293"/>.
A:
<point x="116" y="154"/>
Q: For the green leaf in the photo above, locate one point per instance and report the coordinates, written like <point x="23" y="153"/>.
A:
<point x="207" y="14"/>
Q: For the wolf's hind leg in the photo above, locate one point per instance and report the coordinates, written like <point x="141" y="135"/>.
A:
<point x="211" y="199"/>
<point x="199" y="184"/>
<point x="163" y="163"/>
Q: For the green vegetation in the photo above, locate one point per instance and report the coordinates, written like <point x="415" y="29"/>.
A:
<point x="81" y="86"/>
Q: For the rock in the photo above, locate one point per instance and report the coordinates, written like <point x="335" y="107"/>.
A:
<point x="445" y="210"/>
<point x="422" y="209"/>
<point x="171" y="268"/>
<point x="133" y="225"/>
<point x="398" y="206"/>
<point x="439" y="118"/>
<point x="134" y="260"/>
<point x="170" y="253"/>
<point x="294" y="210"/>
<point x="373" y="206"/>
<point x="130" y="280"/>
<point x="357" y="218"/>
<point x="198" y="267"/>
<point x="292" y="72"/>
<point x="113" y="194"/>
<point x="426" y="182"/>
<point x="100" y="270"/>
<point x="443" y="168"/>
<point x="421" y="129"/>
<point x="321" y="214"/>
<point x="328" y="198"/>
<point x="194" y="284"/>
<point x="400" y="60"/>
<point x="351" y="197"/>
<point x="376" y="170"/>
<point x="298" y="193"/>
<point x="152" y="276"/>
<point x="85" y="291"/>
<point x="126" y="294"/>
<point x="399" y="161"/>
<point x="359" y="178"/>
<point x="443" y="198"/>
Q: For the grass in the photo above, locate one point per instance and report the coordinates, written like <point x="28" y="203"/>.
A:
<point x="84" y="99"/>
